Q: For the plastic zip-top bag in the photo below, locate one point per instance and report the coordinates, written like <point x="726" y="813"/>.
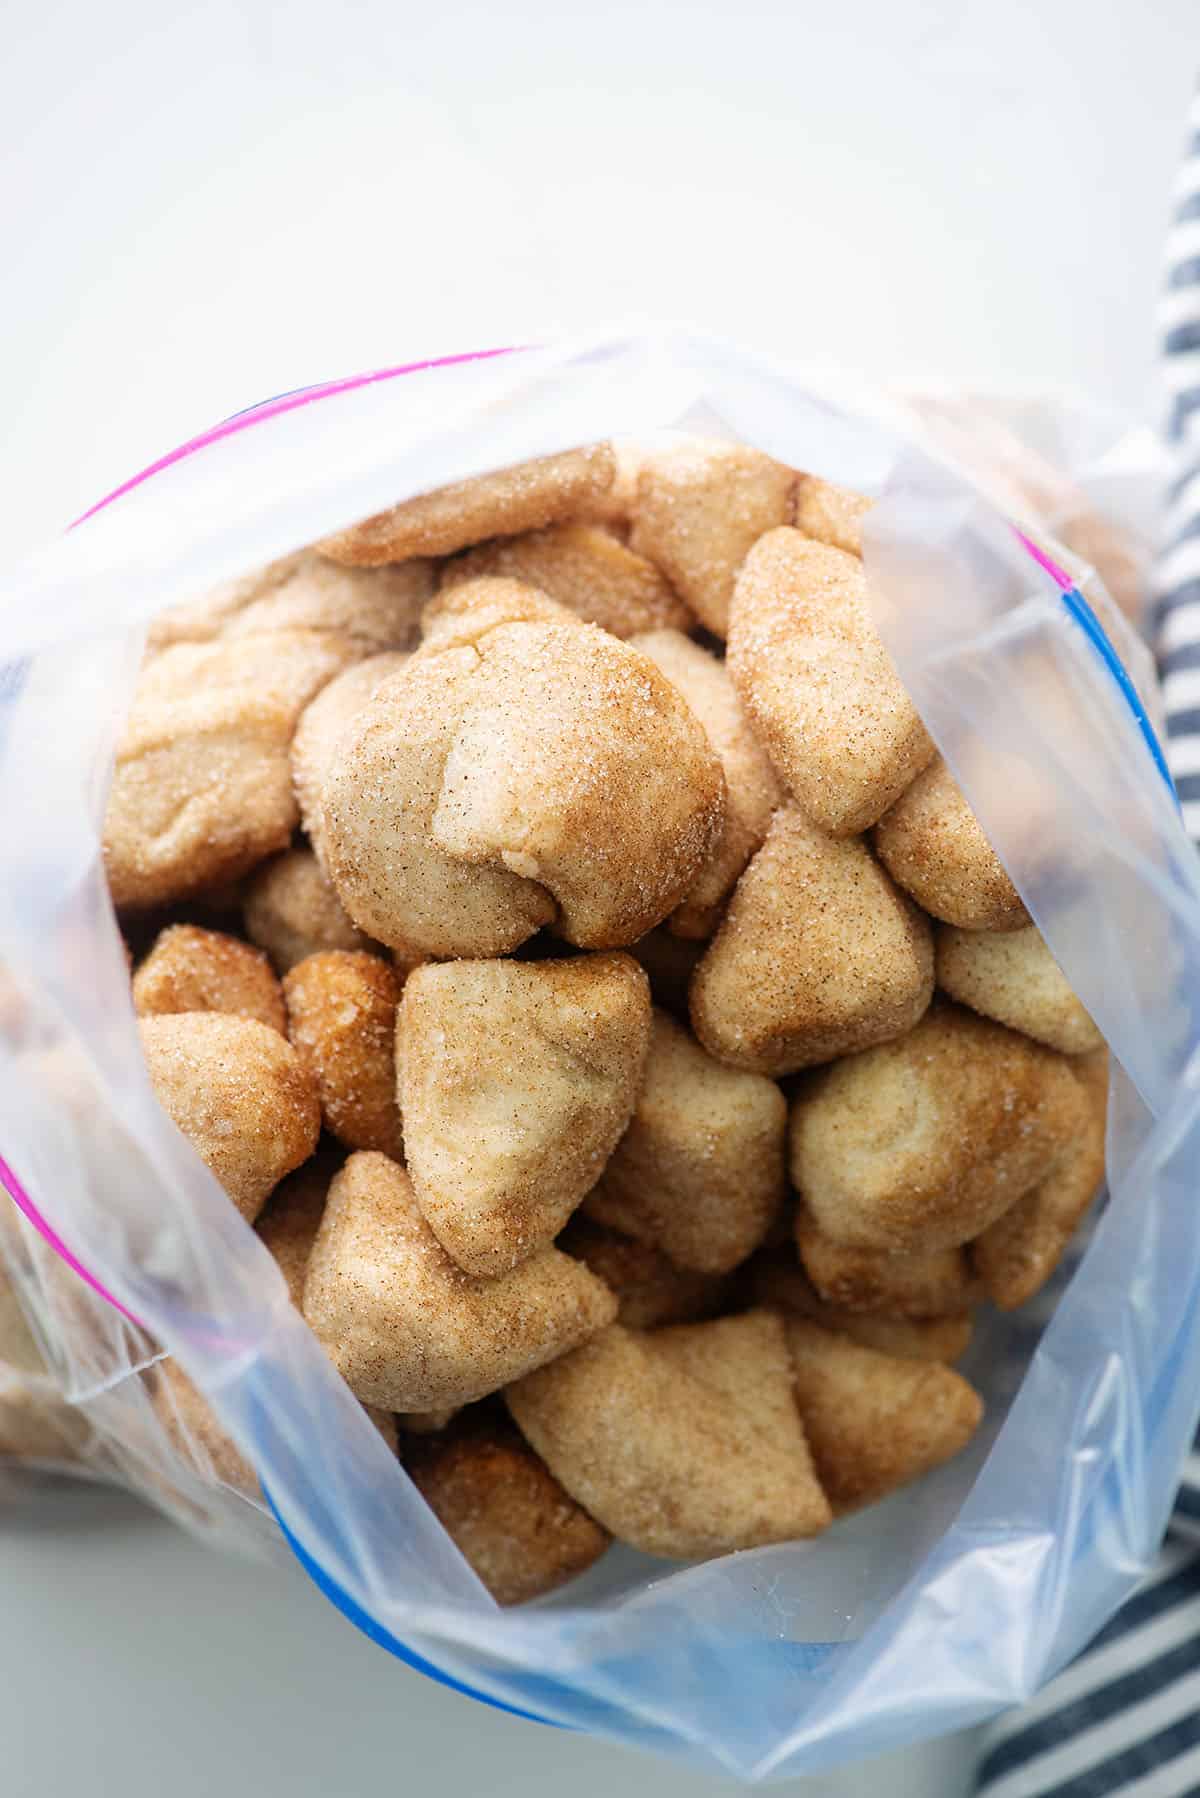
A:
<point x="957" y="1596"/>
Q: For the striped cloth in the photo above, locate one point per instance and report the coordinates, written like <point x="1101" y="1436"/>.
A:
<point x="1125" y="1717"/>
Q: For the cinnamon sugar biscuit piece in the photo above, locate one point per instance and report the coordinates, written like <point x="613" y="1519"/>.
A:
<point x="580" y="764"/>
<point x="614" y="508"/>
<point x="292" y="911"/>
<point x="20" y="1350"/>
<point x="933" y="845"/>
<point x="521" y="498"/>
<point x="667" y="1461"/>
<point x="1013" y="978"/>
<point x="322" y="725"/>
<point x="926" y="1283"/>
<point x="387" y="1424"/>
<point x="818" y="955"/>
<point x="830" y="514"/>
<point x="541" y="772"/>
<point x="341" y="1020"/>
<point x="288" y="1228"/>
<point x="239" y="1093"/>
<point x="196" y="1433"/>
<point x="821" y="689"/>
<point x="190" y="969"/>
<point x="289" y="1224"/>
<point x="288" y="666"/>
<point x="699" y="1173"/>
<point x="1017" y="1254"/>
<point x="465" y="611"/>
<point x="380" y="807"/>
<point x="784" y="1286"/>
<point x="504" y="1510"/>
<point x="516" y="1080"/>
<point x="650" y="1289"/>
<point x="587" y="570"/>
<point x="752" y="790"/>
<point x="875" y="1422"/>
<point x="922" y="1143"/>
<point x="745" y="1360"/>
<point x="37" y="1424"/>
<point x="701" y="506"/>
<point x="374" y="609"/>
<point x="202" y="787"/>
<point x="402" y="1323"/>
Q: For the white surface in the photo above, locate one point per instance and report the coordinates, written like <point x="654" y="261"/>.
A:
<point x="136" y="1664"/>
<point x="204" y="205"/>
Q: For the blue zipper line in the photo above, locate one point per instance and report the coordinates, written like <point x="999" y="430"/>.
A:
<point x="287" y="394"/>
<point x="337" y="1595"/>
<point x="1094" y="631"/>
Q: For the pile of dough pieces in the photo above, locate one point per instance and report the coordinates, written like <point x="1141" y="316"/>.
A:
<point x="559" y="937"/>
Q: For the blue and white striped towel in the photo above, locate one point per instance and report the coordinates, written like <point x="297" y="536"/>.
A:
<point x="1125" y="1717"/>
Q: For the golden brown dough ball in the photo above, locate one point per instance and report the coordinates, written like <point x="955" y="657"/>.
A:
<point x="587" y="570"/>
<point x="579" y="765"/>
<point x="784" y="1286"/>
<point x="818" y="955"/>
<point x="323" y="723"/>
<point x="373" y="609"/>
<point x="926" y="1283"/>
<point x="38" y="1424"/>
<point x="20" y="1350"/>
<point x="875" y="1422"/>
<point x="920" y="1144"/>
<point x="465" y="611"/>
<point x="288" y="1228"/>
<point x="545" y="772"/>
<point x="196" y="1433"/>
<point x="521" y="498"/>
<point x="830" y="514"/>
<point x="504" y="1510"/>
<point x="700" y="508"/>
<point x="239" y="1093"/>
<point x="516" y="1080"/>
<point x="290" y="667"/>
<point x="752" y="789"/>
<point x="289" y="1224"/>
<point x="819" y="685"/>
<point x="1013" y="978"/>
<point x="650" y="1289"/>
<point x="341" y="1020"/>
<point x="402" y="1323"/>
<point x="380" y="809"/>
<point x="1015" y="1256"/>
<point x="699" y="1173"/>
<point x="614" y="507"/>
<point x="202" y="789"/>
<point x="677" y="1451"/>
<point x="292" y="911"/>
<point x="933" y="845"/>
<point x="190" y="969"/>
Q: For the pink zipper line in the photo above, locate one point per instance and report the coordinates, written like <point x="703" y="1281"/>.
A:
<point x="229" y="427"/>
<point x="1044" y="561"/>
<point x="287" y="402"/>
<point x="24" y="1203"/>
